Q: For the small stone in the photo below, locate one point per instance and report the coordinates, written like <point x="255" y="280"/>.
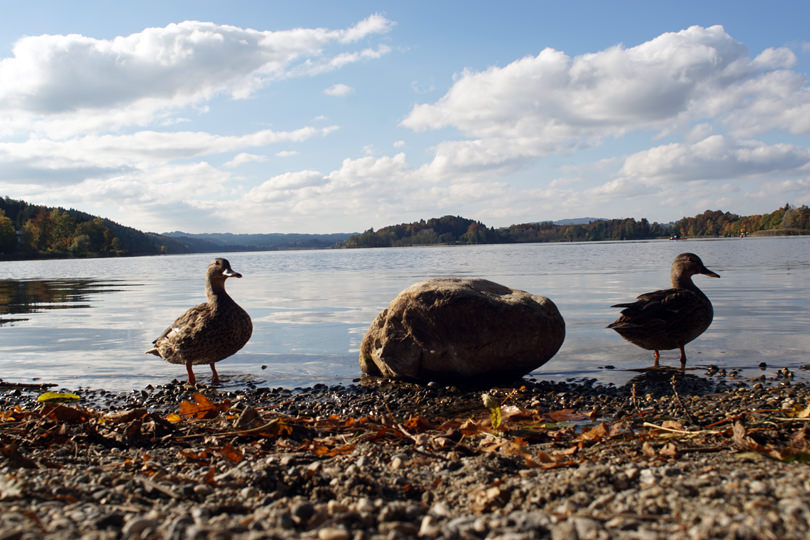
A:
<point x="333" y="533"/>
<point x="333" y="507"/>
<point x="429" y="528"/>
<point x="301" y="512"/>
<point x="441" y="510"/>
<point x="135" y="526"/>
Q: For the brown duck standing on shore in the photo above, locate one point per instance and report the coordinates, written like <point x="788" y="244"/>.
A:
<point x="209" y="332"/>
<point x="670" y="318"/>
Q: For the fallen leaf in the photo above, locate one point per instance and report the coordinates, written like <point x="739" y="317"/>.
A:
<point x="565" y="415"/>
<point x="670" y="450"/>
<point x="595" y="434"/>
<point x="231" y="454"/>
<point x="203" y="408"/>
<point x="417" y="424"/>
<point x="672" y="424"/>
<point x="57" y="396"/>
<point x="648" y="450"/>
<point x="63" y="413"/>
<point x="13" y="456"/>
<point x="123" y="416"/>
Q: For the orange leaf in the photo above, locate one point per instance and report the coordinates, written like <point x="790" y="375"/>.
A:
<point x="203" y="408"/>
<point x="565" y="415"/>
<point x="670" y="450"/>
<point x="231" y="454"/>
<point x="320" y="450"/>
<point x="417" y="424"/>
<point x="209" y="476"/>
<point x="596" y="433"/>
<point x="544" y="458"/>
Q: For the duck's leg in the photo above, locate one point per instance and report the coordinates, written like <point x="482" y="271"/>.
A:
<point x="683" y="360"/>
<point x="192" y="380"/>
<point x="215" y="376"/>
<point x="657" y="356"/>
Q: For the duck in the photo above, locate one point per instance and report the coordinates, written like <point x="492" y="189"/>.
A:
<point x="208" y="332"/>
<point x="669" y="318"/>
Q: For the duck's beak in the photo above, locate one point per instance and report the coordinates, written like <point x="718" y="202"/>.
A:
<point x="230" y="273"/>
<point x="707" y="272"/>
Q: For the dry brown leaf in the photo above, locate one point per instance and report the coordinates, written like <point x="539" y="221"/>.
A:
<point x="648" y="450"/>
<point x="545" y="458"/>
<point x="417" y="424"/>
<point x="230" y="453"/>
<point x="595" y="434"/>
<point x="670" y="450"/>
<point x="564" y="415"/>
<point x="124" y="416"/>
<point x="63" y="413"/>
<point x="13" y="456"/>
<point x="203" y="408"/>
<point x="739" y="436"/>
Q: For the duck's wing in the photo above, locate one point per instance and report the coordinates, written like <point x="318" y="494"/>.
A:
<point x="660" y="311"/>
<point x="187" y="325"/>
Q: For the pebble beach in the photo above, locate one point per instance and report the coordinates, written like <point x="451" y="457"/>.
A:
<point x="665" y="456"/>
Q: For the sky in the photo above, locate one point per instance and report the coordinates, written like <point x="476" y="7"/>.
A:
<point x="322" y="116"/>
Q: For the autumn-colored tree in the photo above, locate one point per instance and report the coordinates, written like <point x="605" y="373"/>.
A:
<point x="8" y="237"/>
<point x="37" y="231"/>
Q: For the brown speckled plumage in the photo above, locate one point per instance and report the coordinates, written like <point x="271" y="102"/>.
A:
<point x="209" y="332"/>
<point x="669" y="318"/>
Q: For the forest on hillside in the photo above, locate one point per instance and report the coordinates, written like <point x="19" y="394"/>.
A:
<point x="459" y="230"/>
<point x="29" y="231"/>
<point x="34" y="231"/>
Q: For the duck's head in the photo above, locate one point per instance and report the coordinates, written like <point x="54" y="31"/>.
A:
<point x="220" y="270"/>
<point x="685" y="266"/>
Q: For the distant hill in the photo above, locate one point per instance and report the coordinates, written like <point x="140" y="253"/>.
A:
<point x="577" y="221"/>
<point x="212" y="242"/>
<point x="36" y="231"/>
<point x="459" y="230"/>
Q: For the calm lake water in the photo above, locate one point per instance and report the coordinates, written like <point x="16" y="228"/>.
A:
<point x="87" y="323"/>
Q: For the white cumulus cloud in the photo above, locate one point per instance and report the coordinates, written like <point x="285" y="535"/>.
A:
<point x="339" y="90"/>
<point x="134" y="79"/>
<point x="678" y="77"/>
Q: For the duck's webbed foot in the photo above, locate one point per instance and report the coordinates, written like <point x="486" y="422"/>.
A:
<point x="215" y="375"/>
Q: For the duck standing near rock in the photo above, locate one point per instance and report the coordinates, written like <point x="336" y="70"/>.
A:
<point x="209" y="332"/>
<point x="669" y="318"/>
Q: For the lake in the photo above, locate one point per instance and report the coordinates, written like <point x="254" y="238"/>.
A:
<point x="86" y="323"/>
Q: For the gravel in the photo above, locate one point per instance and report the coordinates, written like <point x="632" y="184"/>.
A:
<point x="687" y="457"/>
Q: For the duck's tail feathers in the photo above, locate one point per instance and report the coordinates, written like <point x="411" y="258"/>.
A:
<point x="154" y="351"/>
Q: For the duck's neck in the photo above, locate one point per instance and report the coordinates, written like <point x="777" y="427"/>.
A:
<point x="215" y="291"/>
<point x="682" y="281"/>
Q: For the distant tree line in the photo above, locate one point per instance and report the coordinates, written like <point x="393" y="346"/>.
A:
<point x="459" y="230"/>
<point x="33" y="231"/>
<point x="443" y="230"/>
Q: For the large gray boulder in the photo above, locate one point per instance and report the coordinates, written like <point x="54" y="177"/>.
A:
<point x="456" y="329"/>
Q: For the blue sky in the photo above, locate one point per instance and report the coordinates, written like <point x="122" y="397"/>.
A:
<point x="339" y="116"/>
